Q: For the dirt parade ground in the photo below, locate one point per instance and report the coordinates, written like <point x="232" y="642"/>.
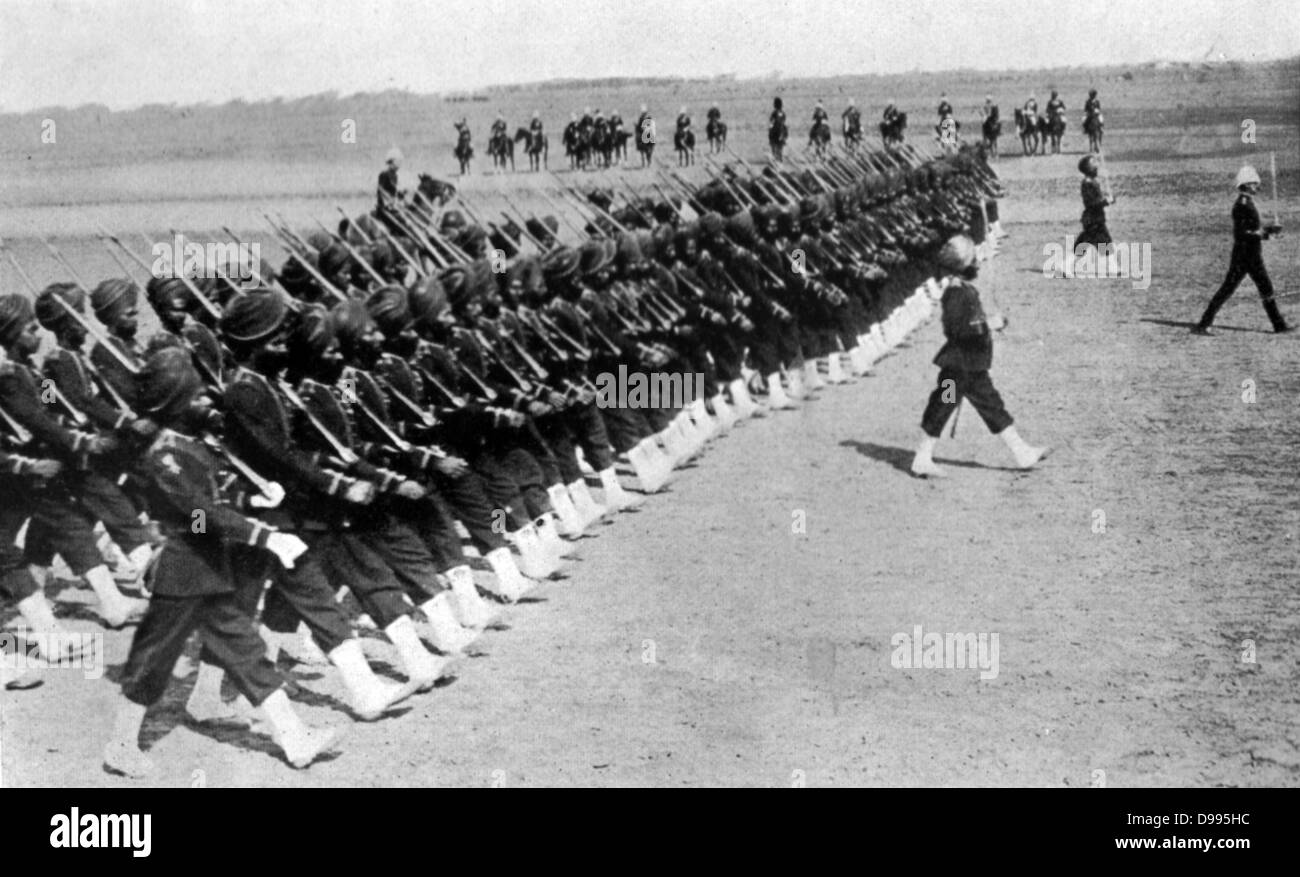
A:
<point x="1135" y="598"/>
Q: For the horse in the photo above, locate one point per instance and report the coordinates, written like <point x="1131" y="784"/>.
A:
<point x="716" y="131"/>
<point x="1093" y="125"/>
<point x="646" y="136"/>
<point x="819" y="137"/>
<point x="502" y="150"/>
<point x="852" y="133"/>
<point x="893" y="133"/>
<point x="1027" y="128"/>
<point x="434" y="191"/>
<point x="602" y="145"/>
<point x="1053" y="128"/>
<point x="620" y="137"/>
<point x="684" y="143"/>
<point x="536" y="148"/>
<point x="577" y="145"/>
<point x="992" y="130"/>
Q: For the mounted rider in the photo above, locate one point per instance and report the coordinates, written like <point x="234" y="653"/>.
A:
<point x="1031" y="108"/>
<point x="535" y="127"/>
<point x="819" y="114"/>
<point x="1055" y="107"/>
<point x="946" y="132"/>
<point x="891" y="114"/>
<point x="851" y="119"/>
<point x="683" y="123"/>
<point x="1092" y="106"/>
<point x="945" y="108"/>
<point x="388" y="190"/>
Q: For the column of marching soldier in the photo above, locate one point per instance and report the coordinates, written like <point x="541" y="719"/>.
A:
<point x="334" y="427"/>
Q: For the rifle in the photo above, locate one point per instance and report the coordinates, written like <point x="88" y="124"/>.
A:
<point x="346" y="454"/>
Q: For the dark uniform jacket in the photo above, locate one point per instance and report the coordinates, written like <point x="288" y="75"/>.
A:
<point x="67" y="368"/>
<point x="1246" y="224"/>
<point x="20" y="398"/>
<point x="181" y="487"/>
<point x="970" y="345"/>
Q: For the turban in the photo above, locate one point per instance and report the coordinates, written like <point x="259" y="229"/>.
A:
<point x="168" y="382"/>
<point x="113" y="298"/>
<point x="253" y="317"/>
<point x="15" y="314"/>
<point x="390" y="308"/>
<point x="53" y="315"/>
<point x="560" y="262"/>
<point x="313" y="333"/>
<point x="427" y="300"/>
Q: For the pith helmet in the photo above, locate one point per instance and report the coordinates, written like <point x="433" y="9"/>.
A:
<point x="1246" y="176"/>
<point x="957" y="254"/>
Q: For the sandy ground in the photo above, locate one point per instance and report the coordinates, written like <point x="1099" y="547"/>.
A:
<point x="701" y="640"/>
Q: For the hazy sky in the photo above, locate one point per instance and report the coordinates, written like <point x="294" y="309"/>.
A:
<point x="124" y="53"/>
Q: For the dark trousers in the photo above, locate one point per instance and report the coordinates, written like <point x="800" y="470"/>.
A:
<point x="16" y="581"/>
<point x="229" y="638"/>
<point x="106" y="502"/>
<point x="1246" y="261"/>
<point x="360" y="560"/>
<point x="299" y="594"/>
<point x="627" y="427"/>
<point x="61" y="526"/>
<point x="975" y="387"/>
<point x="468" y="500"/>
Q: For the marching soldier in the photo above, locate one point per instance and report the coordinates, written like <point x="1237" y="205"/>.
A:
<point x="964" y="364"/>
<point x="193" y="585"/>
<point x="99" y="486"/>
<point x="21" y="476"/>
<point x="60" y="523"/>
<point x="1247" y="260"/>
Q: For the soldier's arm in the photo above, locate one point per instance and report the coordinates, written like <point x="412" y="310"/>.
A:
<point x="19" y="398"/>
<point x="182" y="480"/>
<point x="289" y="465"/>
<point x="75" y="386"/>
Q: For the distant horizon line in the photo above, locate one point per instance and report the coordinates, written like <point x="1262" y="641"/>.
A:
<point x="565" y="82"/>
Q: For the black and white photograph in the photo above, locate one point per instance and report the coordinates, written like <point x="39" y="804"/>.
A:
<point x="656" y="394"/>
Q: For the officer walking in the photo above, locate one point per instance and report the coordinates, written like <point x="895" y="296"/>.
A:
<point x="1248" y="235"/>
<point x="964" y="363"/>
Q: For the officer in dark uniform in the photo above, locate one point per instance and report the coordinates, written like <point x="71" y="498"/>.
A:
<point x="193" y="582"/>
<point x="964" y="364"/>
<point x="1095" y="202"/>
<point x="778" y="131"/>
<point x="1248" y="235"/>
